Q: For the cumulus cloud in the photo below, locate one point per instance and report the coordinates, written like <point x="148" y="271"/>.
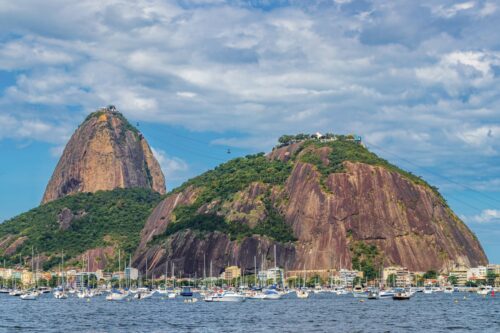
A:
<point x="418" y="78"/>
<point x="486" y="216"/>
<point x="174" y="169"/>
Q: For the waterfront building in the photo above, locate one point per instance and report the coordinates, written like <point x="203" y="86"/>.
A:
<point x="231" y="272"/>
<point x="477" y="273"/>
<point x="275" y="274"/>
<point x="461" y="273"/>
<point x="82" y="279"/>
<point x="131" y="273"/>
<point x="401" y="274"/>
<point x="6" y="273"/>
<point x="118" y="276"/>
<point x="493" y="268"/>
<point x="347" y="277"/>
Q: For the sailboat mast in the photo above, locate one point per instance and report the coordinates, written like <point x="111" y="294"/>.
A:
<point x="275" y="267"/>
<point x="119" y="270"/>
<point x="255" y="270"/>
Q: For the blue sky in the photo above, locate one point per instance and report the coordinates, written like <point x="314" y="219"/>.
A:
<point x="418" y="80"/>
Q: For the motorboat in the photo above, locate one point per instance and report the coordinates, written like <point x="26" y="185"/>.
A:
<point x="29" y="296"/>
<point x="144" y="294"/>
<point x="186" y="292"/>
<point x="402" y="295"/>
<point x="358" y="292"/>
<point x="227" y="296"/>
<point x="4" y="291"/>
<point x="256" y="295"/>
<point x="373" y="294"/>
<point x="386" y="294"/>
<point x="302" y="293"/>
<point x="484" y="290"/>
<point x="271" y="294"/>
<point x="44" y="290"/>
<point x="15" y="292"/>
<point x="428" y="290"/>
<point x="116" y="295"/>
<point x="340" y="291"/>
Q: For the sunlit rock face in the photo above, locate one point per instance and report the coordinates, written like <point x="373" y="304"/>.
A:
<point x="105" y="153"/>
<point x="409" y="223"/>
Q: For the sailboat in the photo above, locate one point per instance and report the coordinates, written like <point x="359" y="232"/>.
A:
<point x="60" y="293"/>
<point x="118" y="295"/>
<point x="32" y="294"/>
<point x="171" y="294"/>
<point x="302" y="292"/>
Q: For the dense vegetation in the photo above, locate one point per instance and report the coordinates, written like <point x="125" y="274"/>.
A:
<point x="348" y="150"/>
<point x="104" y="218"/>
<point x="366" y="258"/>
<point x="235" y="175"/>
<point x="221" y="184"/>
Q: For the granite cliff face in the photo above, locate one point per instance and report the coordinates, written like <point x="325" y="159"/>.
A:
<point x="333" y="198"/>
<point x="105" y="153"/>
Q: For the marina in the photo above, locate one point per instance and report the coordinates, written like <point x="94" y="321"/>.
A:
<point x="326" y="312"/>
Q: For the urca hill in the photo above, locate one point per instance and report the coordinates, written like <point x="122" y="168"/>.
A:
<point x="322" y="201"/>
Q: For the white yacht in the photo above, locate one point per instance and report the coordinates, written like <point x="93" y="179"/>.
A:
<point x="227" y="296"/>
<point x="143" y="294"/>
<point x="271" y="294"/>
<point x="15" y="292"/>
<point x="29" y="296"/>
<point x="116" y="296"/>
<point x="359" y="292"/>
<point x="428" y="290"/>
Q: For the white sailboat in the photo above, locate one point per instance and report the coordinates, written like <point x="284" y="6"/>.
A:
<point x="226" y="296"/>
<point x="118" y="295"/>
<point x="60" y="293"/>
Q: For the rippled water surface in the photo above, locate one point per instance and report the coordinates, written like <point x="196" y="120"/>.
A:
<point x="320" y="313"/>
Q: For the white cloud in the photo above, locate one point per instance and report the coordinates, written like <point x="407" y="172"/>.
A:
<point x="419" y="78"/>
<point x="174" y="168"/>
<point x="481" y="135"/>
<point x="450" y="11"/>
<point x="32" y="128"/>
<point x="486" y="216"/>
<point x="488" y="9"/>
<point x="186" y="94"/>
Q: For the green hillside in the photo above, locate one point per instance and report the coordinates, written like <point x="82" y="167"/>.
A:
<point x="101" y="219"/>
<point x="221" y="185"/>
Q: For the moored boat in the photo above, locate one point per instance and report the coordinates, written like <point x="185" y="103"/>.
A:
<point x="116" y="295"/>
<point x="484" y="290"/>
<point x="29" y="296"/>
<point x="271" y="294"/>
<point x="186" y="292"/>
<point x="373" y="294"/>
<point x="301" y="293"/>
<point x="227" y="296"/>
<point x="402" y="295"/>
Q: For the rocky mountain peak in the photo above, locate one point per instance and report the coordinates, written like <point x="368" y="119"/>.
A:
<point x="104" y="153"/>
